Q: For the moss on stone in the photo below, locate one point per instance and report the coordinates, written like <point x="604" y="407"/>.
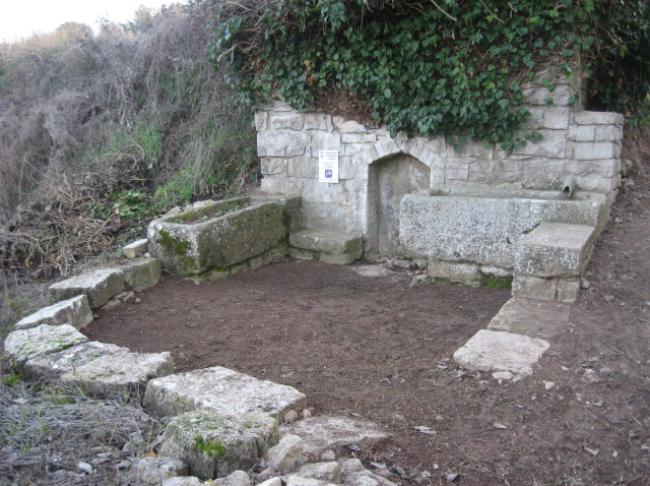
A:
<point x="176" y="245"/>
<point x="495" y="282"/>
<point x="209" y="447"/>
<point x="208" y="212"/>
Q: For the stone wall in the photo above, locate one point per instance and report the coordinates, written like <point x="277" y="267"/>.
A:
<point x="583" y="144"/>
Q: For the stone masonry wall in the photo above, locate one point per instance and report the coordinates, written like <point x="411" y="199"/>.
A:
<point x="586" y="145"/>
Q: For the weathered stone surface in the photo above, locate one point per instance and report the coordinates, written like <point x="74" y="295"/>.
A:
<point x="136" y="248"/>
<point x="483" y="229"/>
<point x="323" y="471"/>
<point x="366" y="478"/>
<point x="293" y="121"/>
<point x="560" y="95"/>
<point x="101" y="370"/>
<point x="598" y="118"/>
<point x="596" y="150"/>
<point x="454" y="272"/>
<point x="552" y="145"/>
<point x="555" y="250"/>
<point x="282" y="143"/>
<point x="215" y="445"/>
<point x="373" y="271"/>
<point x="182" y="481"/>
<point x="75" y="311"/>
<point x="154" y="470"/>
<point x="534" y="318"/>
<point x="141" y="273"/>
<point x="99" y="285"/>
<point x="285" y="454"/>
<point x="501" y="351"/>
<point x="325" y="432"/>
<point x="236" y="478"/>
<point x="327" y="242"/>
<point x="24" y="344"/>
<point x="219" y="235"/>
<point x="220" y="389"/>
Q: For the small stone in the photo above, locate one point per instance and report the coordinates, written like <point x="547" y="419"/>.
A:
<point x="236" y="478"/>
<point x="271" y="482"/>
<point x="182" y="481"/>
<point x="267" y="474"/>
<point x="423" y="476"/>
<point x="502" y="375"/>
<point x="154" y="470"/>
<point x="286" y="454"/>
<point x="328" y="456"/>
<point x="123" y="464"/>
<point x="290" y="417"/>
<point x="590" y="376"/>
<point x="306" y="413"/>
<point x="451" y="477"/>
<point x="136" y="249"/>
<point x="85" y="467"/>
<point x="324" y="471"/>
<point x="585" y="284"/>
<point x="549" y="385"/>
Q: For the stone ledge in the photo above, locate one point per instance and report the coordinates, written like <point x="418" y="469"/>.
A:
<point x="25" y="344"/>
<point x="326" y="246"/>
<point x="534" y="318"/>
<point x="99" y="285"/>
<point x="598" y="118"/>
<point x="75" y="311"/>
<point x="559" y="289"/>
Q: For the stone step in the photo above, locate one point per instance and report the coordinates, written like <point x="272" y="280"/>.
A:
<point x="326" y="246"/>
<point x="215" y="445"/>
<point x="222" y="390"/>
<point x="497" y="351"/>
<point x="535" y="318"/>
<point x="25" y="344"/>
<point x="75" y="311"/>
<point x="550" y="260"/>
<point x="101" y="370"/>
<point x="99" y="285"/>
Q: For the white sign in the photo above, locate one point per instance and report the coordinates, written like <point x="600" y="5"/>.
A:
<point x="328" y="166"/>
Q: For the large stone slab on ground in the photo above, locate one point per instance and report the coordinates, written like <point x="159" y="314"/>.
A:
<point x="534" y="318"/>
<point x="75" y="311"/>
<point x="218" y="234"/>
<point x="555" y="250"/>
<point x="141" y="273"/>
<point x="102" y="370"/>
<point x="24" y="344"/>
<point x="220" y="389"/>
<point x="136" y="248"/>
<point x="332" y="432"/>
<point x="501" y="351"/>
<point x="327" y="242"/>
<point x="486" y="229"/>
<point x="373" y="271"/>
<point x="215" y="445"/>
<point x="354" y="474"/>
<point x="99" y="285"/>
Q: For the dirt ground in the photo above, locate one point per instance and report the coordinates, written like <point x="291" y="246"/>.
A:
<point x="381" y="350"/>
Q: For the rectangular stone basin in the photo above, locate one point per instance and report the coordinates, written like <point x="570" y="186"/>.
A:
<point x="485" y="228"/>
<point x="216" y="235"/>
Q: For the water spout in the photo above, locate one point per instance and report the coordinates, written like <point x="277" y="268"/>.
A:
<point x="568" y="187"/>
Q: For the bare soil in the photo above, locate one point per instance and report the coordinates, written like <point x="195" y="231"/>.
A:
<point x="380" y="349"/>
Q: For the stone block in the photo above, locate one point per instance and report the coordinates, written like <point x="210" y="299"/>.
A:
<point x="598" y="183"/>
<point x="501" y="351"/>
<point x="273" y="166"/>
<point x="136" y="249"/>
<point x="286" y="453"/>
<point x="219" y="235"/>
<point x="303" y="167"/>
<point x="349" y="126"/>
<point x="559" y="289"/>
<point x="261" y="120"/>
<point x="609" y="133"/>
<point x="215" y="445"/>
<point x="598" y="118"/>
<point x="282" y="143"/>
<point x="324" y="141"/>
<point x="318" y="121"/>
<point x="332" y="432"/>
<point x="231" y="393"/>
<point x="455" y="272"/>
<point x="293" y="121"/>
<point x="543" y="173"/>
<point x="350" y="138"/>
<point x="457" y="174"/>
<point x="323" y="471"/>
<point x="552" y="145"/>
<point x="141" y="273"/>
<point x="561" y="95"/>
<point x="601" y="168"/>
<point x="596" y="150"/>
<point x="102" y="370"/>
<point x="331" y="247"/>
<point x="184" y="481"/>
<point x="98" y="285"/>
<point x="552" y="117"/>
<point x="75" y="311"/>
<point x="582" y="133"/>
<point x="25" y="344"/>
<point x="555" y="250"/>
<point x="534" y="318"/>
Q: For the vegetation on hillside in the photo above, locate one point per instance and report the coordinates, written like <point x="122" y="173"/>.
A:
<point x="451" y="67"/>
<point x="100" y="133"/>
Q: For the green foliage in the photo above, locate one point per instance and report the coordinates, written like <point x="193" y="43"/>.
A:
<point x="11" y="379"/>
<point x="452" y="67"/>
<point x="133" y="205"/>
<point x="212" y="448"/>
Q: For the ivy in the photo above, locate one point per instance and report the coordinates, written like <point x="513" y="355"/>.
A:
<point x="452" y="67"/>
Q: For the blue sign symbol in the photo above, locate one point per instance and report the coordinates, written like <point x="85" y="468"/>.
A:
<point x="328" y="173"/>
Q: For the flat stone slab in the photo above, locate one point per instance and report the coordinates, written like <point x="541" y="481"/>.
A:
<point x="555" y="250"/>
<point x="373" y="271"/>
<point x="102" y="370"/>
<point x="136" y="248"/>
<point x="141" y="273"/>
<point x="327" y="242"/>
<point x="99" y="285"/>
<point x="534" y="318"/>
<point x="25" y="344"/>
<point x="325" y="432"/>
<point x="215" y="445"/>
<point x="75" y="311"/>
<point x="222" y="390"/>
<point x="501" y="351"/>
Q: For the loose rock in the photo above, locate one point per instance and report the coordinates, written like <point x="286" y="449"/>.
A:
<point x="75" y="311"/>
<point x="286" y="454"/>
<point x="154" y="470"/>
<point x="325" y="471"/>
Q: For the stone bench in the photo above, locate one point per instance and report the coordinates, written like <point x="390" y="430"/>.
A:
<point x="549" y="261"/>
<point x="326" y="246"/>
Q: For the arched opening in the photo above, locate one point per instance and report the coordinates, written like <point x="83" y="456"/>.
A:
<point x="389" y="180"/>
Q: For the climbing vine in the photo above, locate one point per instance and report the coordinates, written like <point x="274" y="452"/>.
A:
<point x="450" y="67"/>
